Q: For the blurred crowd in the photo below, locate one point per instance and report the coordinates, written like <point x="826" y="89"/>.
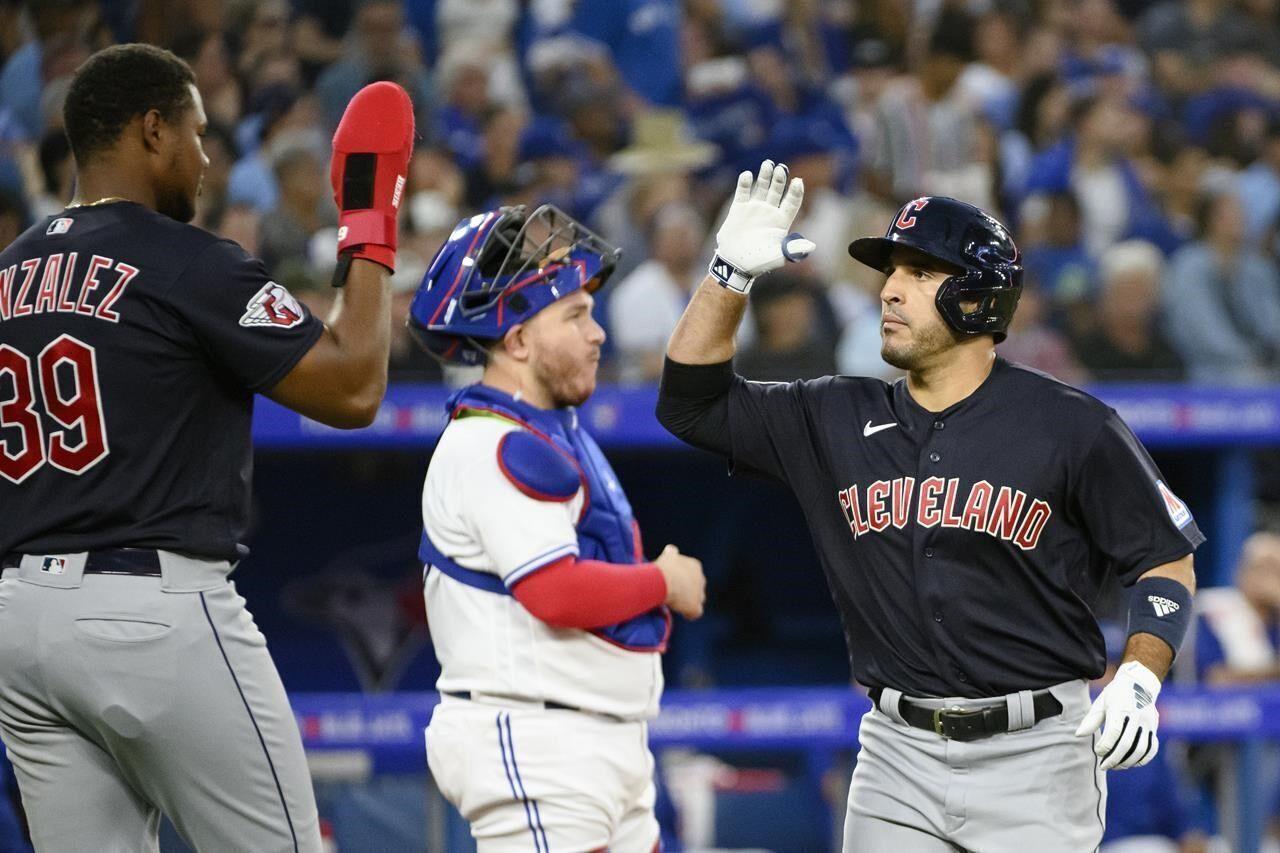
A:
<point x="1132" y="145"/>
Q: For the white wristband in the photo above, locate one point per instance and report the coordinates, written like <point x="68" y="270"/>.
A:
<point x="730" y="276"/>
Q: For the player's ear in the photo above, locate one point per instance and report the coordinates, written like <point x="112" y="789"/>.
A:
<point x="152" y="129"/>
<point x="516" y="342"/>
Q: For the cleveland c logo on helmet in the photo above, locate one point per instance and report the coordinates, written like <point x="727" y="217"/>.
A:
<point x="905" y="220"/>
<point x="498" y="269"/>
<point x="959" y="235"/>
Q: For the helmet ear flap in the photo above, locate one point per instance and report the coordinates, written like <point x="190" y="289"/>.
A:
<point x="995" y="290"/>
<point x="445" y="348"/>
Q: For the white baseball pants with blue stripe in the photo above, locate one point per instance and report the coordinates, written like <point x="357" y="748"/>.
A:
<point x="544" y="781"/>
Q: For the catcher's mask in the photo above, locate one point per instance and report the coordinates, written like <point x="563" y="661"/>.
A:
<point x="498" y="269"/>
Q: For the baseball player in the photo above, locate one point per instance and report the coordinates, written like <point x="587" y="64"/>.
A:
<point x="966" y="518"/>
<point x="547" y="620"/>
<point x="133" y="681"/>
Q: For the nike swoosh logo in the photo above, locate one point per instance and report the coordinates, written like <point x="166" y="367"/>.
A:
<point x="869" y="430"/>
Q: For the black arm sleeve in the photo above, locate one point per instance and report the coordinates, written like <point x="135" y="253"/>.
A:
<point x="693" y="404"/>
<point x="762" y="428"/>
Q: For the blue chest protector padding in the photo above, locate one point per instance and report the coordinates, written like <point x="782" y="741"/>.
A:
<point x="537" y="468"/>
<point x="606" y="528"/>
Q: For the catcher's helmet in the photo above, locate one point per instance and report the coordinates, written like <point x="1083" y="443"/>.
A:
<point x="963" y="236"/>
<point x="498" y="269"/>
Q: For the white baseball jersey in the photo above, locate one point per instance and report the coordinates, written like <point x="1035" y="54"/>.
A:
<point x="487" y="642"/>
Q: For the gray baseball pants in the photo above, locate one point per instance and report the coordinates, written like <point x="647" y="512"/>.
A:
<point x="122" y="697"/>
<point x="1035" y="788"/>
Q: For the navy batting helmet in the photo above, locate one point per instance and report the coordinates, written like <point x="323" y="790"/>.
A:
<point x="961" y="235"/>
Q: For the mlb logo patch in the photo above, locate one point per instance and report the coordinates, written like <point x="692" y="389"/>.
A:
<point x="53" y="566"/>
<point x="1178" y="512"/>
<point x="273" y="306"/>
<point x="59" y="226"/>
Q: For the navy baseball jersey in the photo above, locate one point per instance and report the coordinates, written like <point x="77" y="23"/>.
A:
<point x="964" y="548"/>
<point x="131" y="346"/>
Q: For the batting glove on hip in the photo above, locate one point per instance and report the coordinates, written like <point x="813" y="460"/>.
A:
<point x="755" y="238"/>
<point x="1126" y="710"/>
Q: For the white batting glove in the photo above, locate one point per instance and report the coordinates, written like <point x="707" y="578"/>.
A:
<point x="755" y="236"/>
<point x="1128" y="706"/>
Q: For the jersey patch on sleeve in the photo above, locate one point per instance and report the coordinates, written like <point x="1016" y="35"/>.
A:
<point x="273" y="306"/>
<point x="536" y="468"/>
<point x="1178" y="512"/>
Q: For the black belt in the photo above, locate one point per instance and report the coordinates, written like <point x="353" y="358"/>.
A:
<point x="140" y="562"/>
<point x="965" y="724"/>
<point x="550" y="706"/>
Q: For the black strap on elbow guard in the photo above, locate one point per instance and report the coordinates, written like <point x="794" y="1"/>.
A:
<point x="1161" y="607"/>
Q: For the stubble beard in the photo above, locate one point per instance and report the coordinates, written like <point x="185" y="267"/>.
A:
<point x="924" y="346"/>
<point x="567" y="382"/>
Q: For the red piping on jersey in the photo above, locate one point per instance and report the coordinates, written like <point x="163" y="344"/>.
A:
<point x="461" y="269"/>
<point x="524" y="487"/>
<point x="582" y="477"/>
<point x="637" y="541"/>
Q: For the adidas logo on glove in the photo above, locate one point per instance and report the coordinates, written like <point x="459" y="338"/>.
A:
<point x="1162" y="605"/>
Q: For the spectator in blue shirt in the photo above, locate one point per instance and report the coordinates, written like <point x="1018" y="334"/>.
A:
<point x="381" y="49"/>
<point x="1056" y="261"/>
<point x="1259" y="190"/>
<point x="463" y="80"/>
<point x="22" y="80"/>
<point x="1146" y="805"/>
<point x="1091" y="163"/>
<point x="1237" y="638"/>
<point x="643" y="37"/>
<point x="252" y="181"/>
<point x="1222" y="299"/>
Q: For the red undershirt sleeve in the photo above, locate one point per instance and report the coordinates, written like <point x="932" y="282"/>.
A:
<point x="573" y="593"/>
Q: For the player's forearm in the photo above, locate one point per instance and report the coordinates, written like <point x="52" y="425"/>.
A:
<point x="1154" y="652"/>
<point x="573" y="593"/>
<point x="706" y="331"/>
<point x="360" y="326"/>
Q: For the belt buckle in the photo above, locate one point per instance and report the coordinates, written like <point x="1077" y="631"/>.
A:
<point x="938" y="719"/>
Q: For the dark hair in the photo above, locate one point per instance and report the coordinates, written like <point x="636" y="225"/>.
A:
<point x="53" y="154"/>
<point x="11" y="204"/>
<point x="953" y="35"/>
<point x="1037" y="89"/>
<point x="1206" y="209"/>
<point x="1082" y="107"/>
<point x="117" y="84"/>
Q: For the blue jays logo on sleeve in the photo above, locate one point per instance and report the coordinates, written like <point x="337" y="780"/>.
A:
<point x="273" y="306"/>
